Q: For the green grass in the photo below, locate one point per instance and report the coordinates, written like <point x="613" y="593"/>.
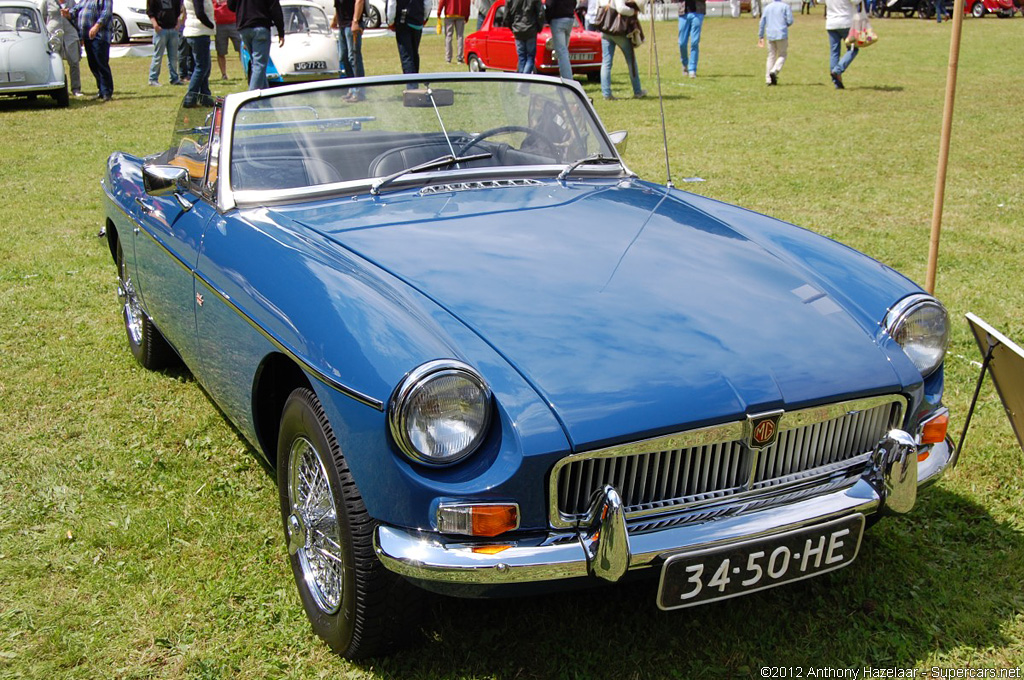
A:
<point x="139" y="536"/>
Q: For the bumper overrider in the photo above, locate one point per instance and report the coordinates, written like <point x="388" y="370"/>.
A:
<point x="602" y="546"/>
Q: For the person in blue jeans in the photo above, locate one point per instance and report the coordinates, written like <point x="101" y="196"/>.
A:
<point x="199" y="31"/>
<point x="165" y="15"/>
<point x="348" y="19"/>
<point x="561" y="16"/>
<point x="407" y="18"/>
<point x="838" y="21"/>
<point x="92" y="18"/>
<point x="254" y="19"/>
<point x="525" y="18"/>
<point x="691" y="22"/>
<point x="609" y="41"/>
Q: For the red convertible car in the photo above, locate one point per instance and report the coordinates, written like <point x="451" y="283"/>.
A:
<point x="493" y="47"/>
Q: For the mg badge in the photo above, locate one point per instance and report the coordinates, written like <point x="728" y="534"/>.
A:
<point x="763" y="429"/>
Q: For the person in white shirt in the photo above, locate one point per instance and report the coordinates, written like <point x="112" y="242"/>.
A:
<point x="838" y="21"/>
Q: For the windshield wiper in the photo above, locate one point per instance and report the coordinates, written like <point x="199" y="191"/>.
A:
<point x="587" y="160"/>
<point x="441" y="162"/>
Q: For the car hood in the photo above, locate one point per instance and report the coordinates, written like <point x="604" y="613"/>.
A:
<point x="632" y="313"/>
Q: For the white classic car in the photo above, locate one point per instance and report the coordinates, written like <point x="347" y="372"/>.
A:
<point x="310" y="49"/>
<point x="28" y="64"/>
<point x="130" y="22"/>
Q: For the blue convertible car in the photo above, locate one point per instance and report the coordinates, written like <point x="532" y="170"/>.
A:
<point x="485" y="357"/>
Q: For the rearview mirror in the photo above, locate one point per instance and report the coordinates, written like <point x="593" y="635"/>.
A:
<point x="427" y="97"/>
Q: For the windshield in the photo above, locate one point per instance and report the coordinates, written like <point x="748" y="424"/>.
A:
<point x="321" y="136"/>
<point x="305" y="19"/>
<point x="21" y="19"/>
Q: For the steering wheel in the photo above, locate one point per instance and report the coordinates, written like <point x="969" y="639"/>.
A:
<point x="532" y="136"/>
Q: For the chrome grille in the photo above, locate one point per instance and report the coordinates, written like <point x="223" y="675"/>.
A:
<point x="710" y="465"/>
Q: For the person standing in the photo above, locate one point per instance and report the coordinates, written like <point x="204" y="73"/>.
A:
<point x="629" y="10"/>
<point x="838" y="21"/>
<point x="775" y="22"/>
<point x="940" y="11"/>
<point x="348" y="19"/>
<point x="482" y="8"/>
<point x="691" y="22"/>
<point x="254" y="19"/>
<point x="455" y="14"/>
<point x="199" y="29"/>
<point x="406" y="18"/>
<point x="93" y="22"/>
<point x="561" y="16"/>
<point x="165" y="15"/>
<point x="226" y="31"/>
<point x="65" y="35"/>
<point x="525" y="18"/>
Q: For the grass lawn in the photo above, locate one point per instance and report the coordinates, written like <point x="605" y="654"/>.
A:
<point x="140" y="537"/>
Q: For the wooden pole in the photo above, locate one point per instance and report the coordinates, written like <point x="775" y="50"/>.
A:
<point x="947" y="126"/>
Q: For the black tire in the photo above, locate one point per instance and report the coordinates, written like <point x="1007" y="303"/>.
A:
<point x="359" y="608"/>
<point x="61" y="96"/>
<point x="594" y="77"/>
<point x="977" y="10"/>
<point x="144" y="339"/>
<point x="372" y="17"/>
<point x="475" y="65"/>
<point x="118" y="31"/>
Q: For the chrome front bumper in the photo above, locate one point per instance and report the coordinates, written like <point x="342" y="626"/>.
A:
<point x="603" y="547"/>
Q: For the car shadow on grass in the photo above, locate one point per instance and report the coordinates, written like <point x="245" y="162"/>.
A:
<point x="943" y="578"/>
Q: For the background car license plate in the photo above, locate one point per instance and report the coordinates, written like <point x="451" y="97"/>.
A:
<point x="689" y="579"/>
<point x="581" y="56"/>
<point x="311" y="66"/>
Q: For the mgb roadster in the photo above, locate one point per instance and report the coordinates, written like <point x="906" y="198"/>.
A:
<point x="485" y="357"/>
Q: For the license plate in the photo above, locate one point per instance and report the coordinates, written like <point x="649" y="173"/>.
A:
<point x="689" y="579"/>
<point x="311" y="66"/>
<point x="581" y="56"/>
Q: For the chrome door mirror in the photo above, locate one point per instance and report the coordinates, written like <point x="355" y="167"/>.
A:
<point x="619" y="140"/>
<point x="164" y="180"/>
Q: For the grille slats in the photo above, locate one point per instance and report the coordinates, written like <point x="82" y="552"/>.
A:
<point x="818" y="443"/>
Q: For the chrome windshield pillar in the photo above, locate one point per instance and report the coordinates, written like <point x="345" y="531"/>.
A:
<point x="607" y="540"/>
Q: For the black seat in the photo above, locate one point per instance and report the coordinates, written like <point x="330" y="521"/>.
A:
<point x="396" y="160"/>
<point x="282" y="172"/>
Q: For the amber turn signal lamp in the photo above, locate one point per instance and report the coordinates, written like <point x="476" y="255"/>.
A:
<point x="934" y="431"/>
<point x="485" y="519"/>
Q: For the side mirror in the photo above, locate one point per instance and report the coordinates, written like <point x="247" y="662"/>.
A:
<point x="164" y="180"/>
<point x="619" y="140"/>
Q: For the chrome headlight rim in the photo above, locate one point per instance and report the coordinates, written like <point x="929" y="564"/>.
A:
<point x="904" y="310"/>
<point x="417" y="379"/>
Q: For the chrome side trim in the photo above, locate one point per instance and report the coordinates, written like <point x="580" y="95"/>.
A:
<point x="292" y="354"/>
<point x="284" y="349"/>
<point x="722" y="437"/>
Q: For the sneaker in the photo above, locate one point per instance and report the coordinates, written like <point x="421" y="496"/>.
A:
<point x="177" y="82"/>
<point x="774" y="78"/>
<point x="685" y="70"/>
<point x="77" y="93"/>
<point x="640" y="95"/>
<point x="837" y="80"/>
<point x="693" y="74"/>
<point x="223" y="76"/>
<point x="154" y="83"/>
<point x="610" y="97"/>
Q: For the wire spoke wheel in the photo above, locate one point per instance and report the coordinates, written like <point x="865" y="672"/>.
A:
<point x="313" y="534"/>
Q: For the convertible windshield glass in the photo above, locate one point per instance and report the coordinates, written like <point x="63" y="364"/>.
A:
<point x="321" y="136"/>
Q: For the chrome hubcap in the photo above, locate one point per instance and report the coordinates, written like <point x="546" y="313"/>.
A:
<point x="312" y="526"/>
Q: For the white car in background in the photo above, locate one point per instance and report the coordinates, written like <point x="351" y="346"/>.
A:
<point x="28" y="64"/>
<point x="373" y="12"/>
<point x="310" y="49"/>
<point x="130" y="22"/>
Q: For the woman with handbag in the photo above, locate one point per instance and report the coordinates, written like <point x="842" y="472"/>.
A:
<point x="838" y="22"/>
<point x="619" y="22"/>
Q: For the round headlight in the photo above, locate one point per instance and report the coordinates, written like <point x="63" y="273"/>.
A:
<point x="440" y="412"/>
<point x="920" y="325"/>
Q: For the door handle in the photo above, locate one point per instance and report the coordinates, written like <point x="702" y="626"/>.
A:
<point x="146" y="208"/>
